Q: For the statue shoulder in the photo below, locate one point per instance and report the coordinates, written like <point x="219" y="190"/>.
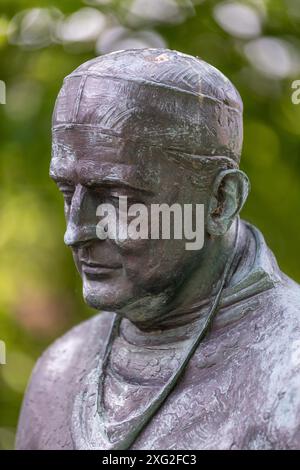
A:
<point x="283" y="362"/>
<point x="55" y="378"/>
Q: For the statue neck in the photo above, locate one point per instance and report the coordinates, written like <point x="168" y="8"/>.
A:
<point x="198" y="290"/>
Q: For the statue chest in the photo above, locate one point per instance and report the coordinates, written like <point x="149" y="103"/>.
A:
<point x="197" y="414"/>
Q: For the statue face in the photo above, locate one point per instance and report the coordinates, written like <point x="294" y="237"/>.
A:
<point x="90" y="170"/>
<point x="151" y="99"/>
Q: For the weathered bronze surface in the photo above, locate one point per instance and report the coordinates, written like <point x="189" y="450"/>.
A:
<point x="193" y="349"/>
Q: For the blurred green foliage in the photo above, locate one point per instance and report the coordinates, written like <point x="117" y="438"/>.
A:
<point x="40" y="293"/>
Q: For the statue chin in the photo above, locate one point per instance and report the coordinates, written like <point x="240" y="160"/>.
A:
<point x="138" y="309"/>
<point x="98" y="299"/>
<point x="101" y="297"/>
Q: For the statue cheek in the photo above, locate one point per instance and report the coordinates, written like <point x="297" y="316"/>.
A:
<point x="131" y="232"/>
<point x="136" y="247"/>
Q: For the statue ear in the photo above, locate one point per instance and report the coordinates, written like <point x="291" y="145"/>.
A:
<point x="230" y="191"/>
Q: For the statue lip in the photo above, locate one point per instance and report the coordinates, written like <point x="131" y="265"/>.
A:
<point x="98" y="268"/>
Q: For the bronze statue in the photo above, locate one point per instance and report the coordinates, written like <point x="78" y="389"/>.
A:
<point x="192" y="349"/>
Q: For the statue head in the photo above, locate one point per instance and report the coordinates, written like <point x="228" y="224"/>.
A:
<point x="156" y="126"/>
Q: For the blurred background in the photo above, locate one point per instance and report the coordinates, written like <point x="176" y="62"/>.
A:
<point x="256" y="43"/>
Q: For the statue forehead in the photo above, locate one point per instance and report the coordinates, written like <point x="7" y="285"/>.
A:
<point x="81" y="153"/>
<point x="184" y="104"/>
<point x="86" y="154"/>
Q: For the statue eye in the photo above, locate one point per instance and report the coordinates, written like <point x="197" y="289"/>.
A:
<point x="67" y="191"/>
<point x="68" y="195"/>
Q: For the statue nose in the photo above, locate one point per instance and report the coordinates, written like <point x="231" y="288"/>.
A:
<point x="76" y="235"/>
<point x="81" y="226"/>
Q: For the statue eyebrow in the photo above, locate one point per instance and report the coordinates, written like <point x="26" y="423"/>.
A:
<point x="60" y="179"/>
<point x="106" y="182"/>
<point x="115" y="183"/>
